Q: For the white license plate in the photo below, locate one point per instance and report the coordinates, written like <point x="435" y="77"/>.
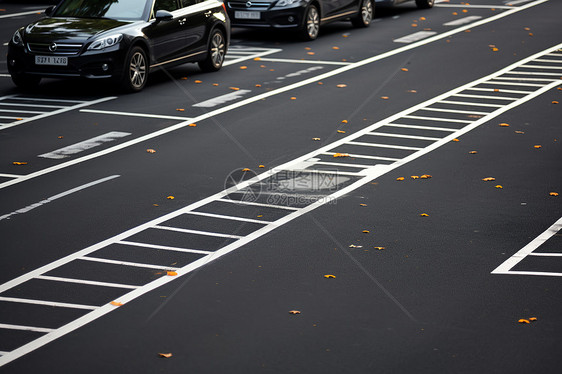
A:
<point x="247" y="15"/>
<point x="51" y="60"/>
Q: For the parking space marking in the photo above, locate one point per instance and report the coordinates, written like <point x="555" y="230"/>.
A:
<point x="415" y="37"/>
<point x="131" y="114"/>
<point x="222" y="99"/>
<point x="47" y="303"/>
<point x="240" y="53"/>
<point x="163" y="247"/>
<point x="89" y="282"/>
<point x="85" y="145"/>
<point x="257" y="98"/>
<point x="529" y="250"/>
<point x="20" y="101"/>
<point x="462" y="21"/>
<point x="441" y="5"/>
<point x="316" y="62"/>
<point x="312" y="160"/>
<point x="3" y="175"/>
<point x="25" y="328"/>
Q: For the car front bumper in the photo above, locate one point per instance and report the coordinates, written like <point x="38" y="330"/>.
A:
<point x="279" y="18"/>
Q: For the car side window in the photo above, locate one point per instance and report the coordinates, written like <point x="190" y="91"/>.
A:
<point x="169" y="5"/>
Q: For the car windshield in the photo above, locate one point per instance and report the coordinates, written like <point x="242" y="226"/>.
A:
<point x="114" y="9"/>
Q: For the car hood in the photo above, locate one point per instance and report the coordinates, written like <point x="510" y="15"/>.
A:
<point x="69" y="29"/>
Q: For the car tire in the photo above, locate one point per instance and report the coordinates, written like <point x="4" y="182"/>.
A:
<point x="365" y="14"/>
<point x="216" y="51"/>
<point x="26" y="82"/>
<point x="311" y="24"/>
<point x="135" y="71"/>
<point x="425" y="4"/>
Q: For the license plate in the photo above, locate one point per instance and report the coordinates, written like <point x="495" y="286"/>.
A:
<point x="51" y="60"/>
<point x="247" y="15"/>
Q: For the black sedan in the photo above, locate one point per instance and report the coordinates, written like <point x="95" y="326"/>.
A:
<point x="303" y="16"/>
<point x="121" y="40"/>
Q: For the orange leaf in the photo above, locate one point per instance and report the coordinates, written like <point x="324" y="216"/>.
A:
<point x="504" y="124"/>
<point x="329" y="276"/>
<point x="215" y="84"/>
<point x="362" y="204"/>
<point x="533" y="319"/>
<point x="519" y="132"/>
<point x="243" y="67"/>
<point x="170" y="198"/>
<point x="341" y="154"/>
<point x="60" y="137"/>
<point x="341" y="85"/>
<point x="555" y="102"/>
<point x="115" y="303"/>
<point x="379" y="248"/>
<point x="293" y="98"/>
<point x="258" y="85"/>
<point x="473" y="152"/>
<point x="171" y="273"/>
<point x="310" y="53"/>
<point x="400" y="178"/>
<point x="385" y="97"/>
<point x="295" y="311"/>
<point x="489" y="179"/>
<point x="316" y="139"/>
<point x="523" y="321"/>
<point x="344" y="121"/>
<point x="404" y="69"/>
<point x="234" y="88"/>
<point x="415" y="177"/>
<point x="412" y="91"/>
<point x="553" y="193"/>
<point x="425" y="176"/>
<point x="341" y="131"/>
<point x="19" y="163"/>
<point x="192" y="125"/>
<point x="150" y="150"/>
<point x="261" y="166"/>
<point x="336" y="48"/>
<point x="180" y="110"/>
<point x="198" y="81"/>
<point x="245" y="169"/>
<point x="456" y="140"/>
<point x="424" y="215"/>
<point x="538" y="146"/>
<point x="183" y="78"/>
<point x="165" y="355"/>
<point x="499" y="186"/>
<point x="257" y="59"/>
<point x="366" y="231"/>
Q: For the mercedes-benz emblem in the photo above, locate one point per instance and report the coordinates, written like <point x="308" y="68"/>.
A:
<point x="53" y="47"/>
<point x="248" y="4"/>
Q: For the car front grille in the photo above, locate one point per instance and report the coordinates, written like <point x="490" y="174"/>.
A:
<point x="61" y="49"/>
<point x="253" y="5"/>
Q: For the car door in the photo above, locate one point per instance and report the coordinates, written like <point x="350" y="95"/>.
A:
<point x="193" y="19"/>
<point x="165" y="36"/>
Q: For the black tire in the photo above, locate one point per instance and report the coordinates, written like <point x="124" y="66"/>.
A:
<point x="216" y="51"/>
<point x="26" y="82"/>
<point x="425" y="4"/>
<point x="365" y="14"/>
<point x="311" y="24"/>
<point x="135" y="71"/>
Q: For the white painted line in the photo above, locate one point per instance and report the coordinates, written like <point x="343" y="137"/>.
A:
<point x="2" y="353"/>
<point x="332" y="172"/>
<point x="34" y="105"/>
<point x="497" y="83"/>
<point x="355" y="155"/>
<point x="55" y="112"/>
<point x="541" y="66"/>
<point x="517" y="2"/>
<point x="529" y="248"/>
<point x="10" y="176"/>
<point x="546" y="254"/>
<point x="82" y="281"/>
<point x="24" y="328"/>
<point x="163" y="247"/>
<point x="549" y="61"/>
<point x="462" y="21"/>
<point x="340" y="164"/>
<point x="536" y="73"/>
<point x="222" y="99"/>
<point x="321" y="62"/>
<point x="5" y="75"/>
<point x="376" y="145"/>
<point x="403" y="136"/>
<point x="126" y="263"/>
<point x="540" y="273"/>
<point x="259" y="54"/>
<point x="130" y="114"/>
<point x="197" y="232"/>
<point x="20" y="111"/>
<point x="374" y="173"/>
<point x="468" y="103"/>
<point x="57" y="196"/>
<point x="257" y="204"/>
<point x="85" y="145"/>
<point x="487" y="97"/>
<point x="420" y="127"/>
<point x="415" y="37"/>
<point x="230" y="218"/>
<point x="473" y="6"/>
<point x="25" y="98"/>
<point x="13" y="118"/>
<point x="502" y="90"/>
<point x="437" y="119"/>
<point x="257" y="98"/>
<point x="47" y="303"/>
<point x="454" y="111"/>
<point x="22" y="13"/>
<point x="521" y="79"/>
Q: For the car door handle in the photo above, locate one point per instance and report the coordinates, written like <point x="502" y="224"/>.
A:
<point x="182" y="21"/>
<point x="208" y="13"/>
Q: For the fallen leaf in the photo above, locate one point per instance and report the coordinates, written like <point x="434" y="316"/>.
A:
<point x="533" y="319"/>
<point x="496" y="90"/>
<point x="294" y="311"/>
<point x="257" y="59"/>
<point x="192" y="125"/>
<point x="234" y="88"/>
<point x="243" y="67"/>
<point x="379" y="248"/>
<point x="293" y="98"/>
<point x="504" y="125"/>
<point x="215" y="84"/>
<point x="499" y="186"/>
<point x="329" y="276"/>
<point x="115" y="303"/>
<point x="456" y="140"/>
<point x="150" y="150"/>
<point x="523" y="321"/>
<point x="344" y="121"/>
<point x="258" y="85"/>
<point x="412" y="91"/>
<point x="362" y="204"/>
<point x="489" y="179"/>
<point x="260" y="216"/>
<point x="464" y="11"/>
<point x="19" y="163"/>
<point x="555" y="102"/>
<point x="553" y="194"/>
<point x="495" y="49"/>
<point x="414" y="25"/>
<point x="198" y="81"/>
<point x="336" y="48"/>
<point x="60" y="137"/>
<point x="384" y="97"/>
<point x="473" y="152"/>
<point x="245" y="169"/>
<point x="183" y="78"/>
<point x="519" y="132"/>
<point x="341" y="85"/>
<point x="170" y="198"/>
<point x="19" y="119"/>
<point x="538" y="146"/>
<point x="422" y="18"/>
<point x="320" y="83"/>
<point x="424" y="215"/>
<point x="341" y="154"/>
<point x="341" y="131"/>
<point x="355" y="246"/>
<point x="165" y="355"/>
<point x="261" y="166"/>
<point x="415" y="177"/>
<point x="400" y="178"/>
<point x="425" y="176"/>
<point x="155" y="205"/>
<point x="180" y="110"/>
<point x="310" y="53"/>
<point x="366" y="231"/>
<point x="404" y="69"/>
<point x="316" y="139"/>
<point x="171" y="273"/>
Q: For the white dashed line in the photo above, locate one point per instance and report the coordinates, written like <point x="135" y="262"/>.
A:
<point x="85" y="145"/>
<point x="222" y="99"/>
<point x="415" y="37"/>
<point x="462" y="21"/>
<point x="130" y="114"/>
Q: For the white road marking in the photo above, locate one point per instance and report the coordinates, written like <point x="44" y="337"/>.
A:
<point x="85" y="145"/>
<point x="248" y="53"/>
<point x="164" y="247"/>
<point x="130" y="114"/>
<point x="467" y="103"/>
<point x="516" y="2"/>
<point x="454" y="111"/>
<point x="415" y="37"/>
<point x="498" y="83"/>
<point x="55" y="112"/>
<point x="257" y="98"/>
<point x="549" y="61"/>
<point x="375" y="145"/>
<point x="505" y="268"/>
<point x="356" y="155"/>
<point x="47" y="303"/>
<point x="197" y="232"/>
<point x="5" y="75"/>
<point x="502" y="90"/>
<point x="487" y="97"/>
<point x="316" y="62"/>
<point x="58" y="196"/>
<point x="438" y="119"/>
<point x="369" y="175"/>
<point x="24" y="328"/>
<point x="230" y="218"/>
<point x="83" y="281"/>
<point x="462" y="21"/>
<point x="474" y="6"/>
<point x="541" y="66"/>
<point x="340" y="164"/>
<point x="34" y="105"/>
<point x="3" y="353"/>
<point x="300" y="72"/>
<point x="222" y="99"/>
<point x="546" y="254"/>
<point x="402" y="136"/>
<point x="126" y="263"/>
<point x="10" y="176"/>
<point x="257" y="204"/>
<point x="22" y="13"/>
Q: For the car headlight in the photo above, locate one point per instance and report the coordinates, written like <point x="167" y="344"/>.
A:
<point x="106" y="42"/>
<point x="286" y="2"/>
<point x="17" y="39"/>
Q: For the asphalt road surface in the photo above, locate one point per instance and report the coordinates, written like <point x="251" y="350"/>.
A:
<point x="380" y="200"/>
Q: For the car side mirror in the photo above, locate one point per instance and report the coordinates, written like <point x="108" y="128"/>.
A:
<point x="49" y="11"/>
<point x="163" y="15"/>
